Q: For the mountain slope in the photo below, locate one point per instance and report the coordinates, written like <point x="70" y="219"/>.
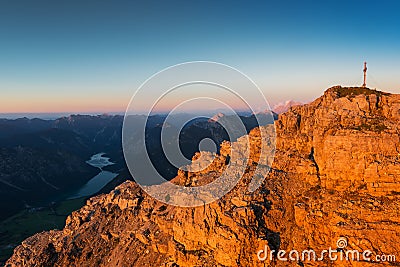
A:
<point x="335" y="174"/>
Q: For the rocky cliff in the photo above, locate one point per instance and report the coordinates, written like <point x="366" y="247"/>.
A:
<point x="335" y="175"/>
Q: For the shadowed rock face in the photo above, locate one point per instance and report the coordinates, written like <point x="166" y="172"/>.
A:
<point x="335" y="174"/>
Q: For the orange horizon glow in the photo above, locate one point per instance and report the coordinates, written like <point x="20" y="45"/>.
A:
<point x="61" y="102"/>
<point x="65" y="105"/>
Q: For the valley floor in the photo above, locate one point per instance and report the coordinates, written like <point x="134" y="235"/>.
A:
<point x="31" y="221"/>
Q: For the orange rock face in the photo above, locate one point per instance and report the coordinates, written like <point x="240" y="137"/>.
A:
<point x="335" y="175"/>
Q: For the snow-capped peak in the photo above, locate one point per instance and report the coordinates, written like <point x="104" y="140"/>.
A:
<point x="285" y="106"/>
<point x="216" y="117"/>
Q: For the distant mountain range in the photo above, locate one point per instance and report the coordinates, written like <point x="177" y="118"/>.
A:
<point x="39" y="156"/>
<point x="41" y="159"/>
<point x="282" y="107"/>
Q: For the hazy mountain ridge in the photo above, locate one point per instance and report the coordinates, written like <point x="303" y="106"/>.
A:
<point x="66" y="143"/>
<point x="45" y="158"/>
<point x="285" y="106"/>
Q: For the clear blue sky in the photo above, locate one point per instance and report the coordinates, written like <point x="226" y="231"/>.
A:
<point x="90" y="56"/>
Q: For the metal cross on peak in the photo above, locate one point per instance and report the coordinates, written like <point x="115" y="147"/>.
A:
<point x="365" y="75"/>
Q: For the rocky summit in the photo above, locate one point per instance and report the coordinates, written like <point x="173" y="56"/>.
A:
<point x="335" y="176"/>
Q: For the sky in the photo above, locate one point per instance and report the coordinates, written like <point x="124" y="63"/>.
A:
<point x="91" y="56"/>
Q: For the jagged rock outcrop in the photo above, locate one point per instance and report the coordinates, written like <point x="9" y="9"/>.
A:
<point x="335" y="174"/>
<point x="352" y="137"/>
